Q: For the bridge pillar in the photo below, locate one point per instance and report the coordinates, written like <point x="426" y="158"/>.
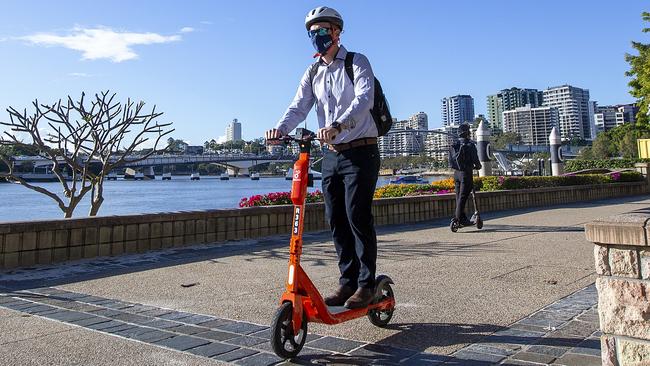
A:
<point x="236" y="171"/>
<point x="149" y="173"/>
<point x="555" y="142"/>
<point x="483" y="134"/>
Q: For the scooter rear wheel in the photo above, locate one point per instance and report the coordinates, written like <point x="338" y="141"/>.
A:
<point x="479" y="223"/>
<point x="454" y="225"/>
<point x="381" y="318"/>
<point x="283" y="342"/>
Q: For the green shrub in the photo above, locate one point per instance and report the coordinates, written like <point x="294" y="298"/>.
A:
<point x="579" y="164"/>
<point x="402" y="190"/>
<point x="490" y="183"/>
<point x="499" y="183"/>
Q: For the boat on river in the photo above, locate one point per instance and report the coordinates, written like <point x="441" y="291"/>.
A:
<point x="409" y="179"/>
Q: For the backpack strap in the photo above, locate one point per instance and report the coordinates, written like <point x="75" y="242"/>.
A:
<point x="313" y="69"/>
<point x="348" y="66"/>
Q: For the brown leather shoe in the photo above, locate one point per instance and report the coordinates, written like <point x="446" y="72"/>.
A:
<point x="361" y="298"/>
<point x="339" y="296"/>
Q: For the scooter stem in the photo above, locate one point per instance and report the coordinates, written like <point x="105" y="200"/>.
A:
<point x="298" y="196"/>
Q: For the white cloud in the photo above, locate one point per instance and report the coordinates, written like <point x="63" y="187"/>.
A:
<point x="101" y="42"/>
<point x="207" y="22"/>
<point x="221" y="139"/>
<point x="187" y="30"/>
<point x="79" y="75"/>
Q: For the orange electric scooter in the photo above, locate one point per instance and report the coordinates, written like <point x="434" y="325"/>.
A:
<point x="301" y="303"/>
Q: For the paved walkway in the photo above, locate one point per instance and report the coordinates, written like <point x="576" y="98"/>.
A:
<point x="517" y="293"/>
<point x="564" y="332"/>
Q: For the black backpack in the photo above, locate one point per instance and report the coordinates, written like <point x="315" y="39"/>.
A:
<point x="380" y="111"/>
<point x="460" y="157"/>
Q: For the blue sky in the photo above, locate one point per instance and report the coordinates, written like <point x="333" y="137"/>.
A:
<point x="206" y="62"/>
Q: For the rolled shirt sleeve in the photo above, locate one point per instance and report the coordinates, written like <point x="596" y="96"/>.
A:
<point x="299" y="107"/>
<point x="364" y="92"/>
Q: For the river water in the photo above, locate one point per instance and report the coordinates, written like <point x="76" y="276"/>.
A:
<point x="122" y="197"/>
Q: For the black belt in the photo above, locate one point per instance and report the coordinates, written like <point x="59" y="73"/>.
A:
<point x="354" y="143"/>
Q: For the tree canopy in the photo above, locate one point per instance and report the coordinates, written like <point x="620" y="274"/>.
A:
<point x="640" y="74"/>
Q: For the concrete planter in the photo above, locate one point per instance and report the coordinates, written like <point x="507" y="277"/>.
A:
<point x="24" y="244"/>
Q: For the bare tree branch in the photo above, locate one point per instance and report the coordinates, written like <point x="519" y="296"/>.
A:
<point x="81" y="134"/>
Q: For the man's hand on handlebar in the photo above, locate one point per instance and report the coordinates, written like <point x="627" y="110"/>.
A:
<point x="273" y="136"/>
<point x="327" y="134"/>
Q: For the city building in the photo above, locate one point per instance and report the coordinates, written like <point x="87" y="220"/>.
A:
<point x="406" y="137"/>
<point x="233" y="131"/>
<point x="509" y="99"/>
<point x="438" y="141"/>
<point x="574" y="109"/>
<point x="626" y="113"/>
<point x="609" y="116"/>
<point x="457" y="109"/>
<point x="532" y="124"/>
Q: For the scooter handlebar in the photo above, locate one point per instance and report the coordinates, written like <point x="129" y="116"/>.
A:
<point x="301" y="135"/>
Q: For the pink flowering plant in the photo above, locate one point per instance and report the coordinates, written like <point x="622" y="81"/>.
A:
<point x="277" y="198"/>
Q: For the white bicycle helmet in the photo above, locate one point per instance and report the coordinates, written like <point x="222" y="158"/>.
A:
<point x="323" y="14"/>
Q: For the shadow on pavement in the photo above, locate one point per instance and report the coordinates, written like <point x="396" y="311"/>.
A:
<point x="420" y="336"/>
<point x="526" y="229"/>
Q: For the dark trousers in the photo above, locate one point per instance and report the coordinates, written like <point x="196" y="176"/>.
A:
<point x="463" y="182"/>
<point x="349" y="181"/>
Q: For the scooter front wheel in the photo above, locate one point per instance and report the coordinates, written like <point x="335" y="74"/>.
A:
<point x="479" y="222"/>
<point x="381" y="318"/>
<point x="284" y="343"/>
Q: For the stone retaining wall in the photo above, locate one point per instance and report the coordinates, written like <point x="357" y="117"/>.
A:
<point x="622" y="255"/>
<point x="24" y="244"/>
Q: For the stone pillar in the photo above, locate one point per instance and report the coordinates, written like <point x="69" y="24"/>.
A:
<point x="483" y="145"/>
<point x="557" y="167"/>
<point x="622" y="257"/>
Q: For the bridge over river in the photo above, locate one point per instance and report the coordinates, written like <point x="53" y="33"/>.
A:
<point x="236" y="163"/>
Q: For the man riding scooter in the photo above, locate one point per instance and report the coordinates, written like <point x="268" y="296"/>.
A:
<point x="463" y="158"/>
<point x="351" y="157"/>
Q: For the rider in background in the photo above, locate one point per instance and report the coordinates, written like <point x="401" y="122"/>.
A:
<point x="463" y="158"/>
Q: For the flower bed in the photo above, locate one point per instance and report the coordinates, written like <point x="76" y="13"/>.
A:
<point x="447" y="186"/>
<point x="277" y="198"/>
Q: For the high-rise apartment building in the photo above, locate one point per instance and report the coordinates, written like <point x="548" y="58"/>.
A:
<point x="627" y="113"/>
<point x="532" y="124"/>
<point x="609" y="116"/>
<point x="457" y="109"/>
<point x="573" y="107"/>
<point x="405" y="138"/>
<point x="233" y="131"/>
<point x="509" y="99"/>
<point x="437" y="143"/>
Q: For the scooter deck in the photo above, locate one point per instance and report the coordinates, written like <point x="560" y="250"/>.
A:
<point x="336" y="309"/>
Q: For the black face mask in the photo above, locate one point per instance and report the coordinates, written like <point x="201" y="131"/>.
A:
<point x="322" y="43"/>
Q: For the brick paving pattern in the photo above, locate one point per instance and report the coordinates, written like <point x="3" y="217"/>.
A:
<point x="563" y="333"/>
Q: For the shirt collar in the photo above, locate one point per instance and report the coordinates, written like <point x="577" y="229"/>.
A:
<point x="340" y="55"/>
